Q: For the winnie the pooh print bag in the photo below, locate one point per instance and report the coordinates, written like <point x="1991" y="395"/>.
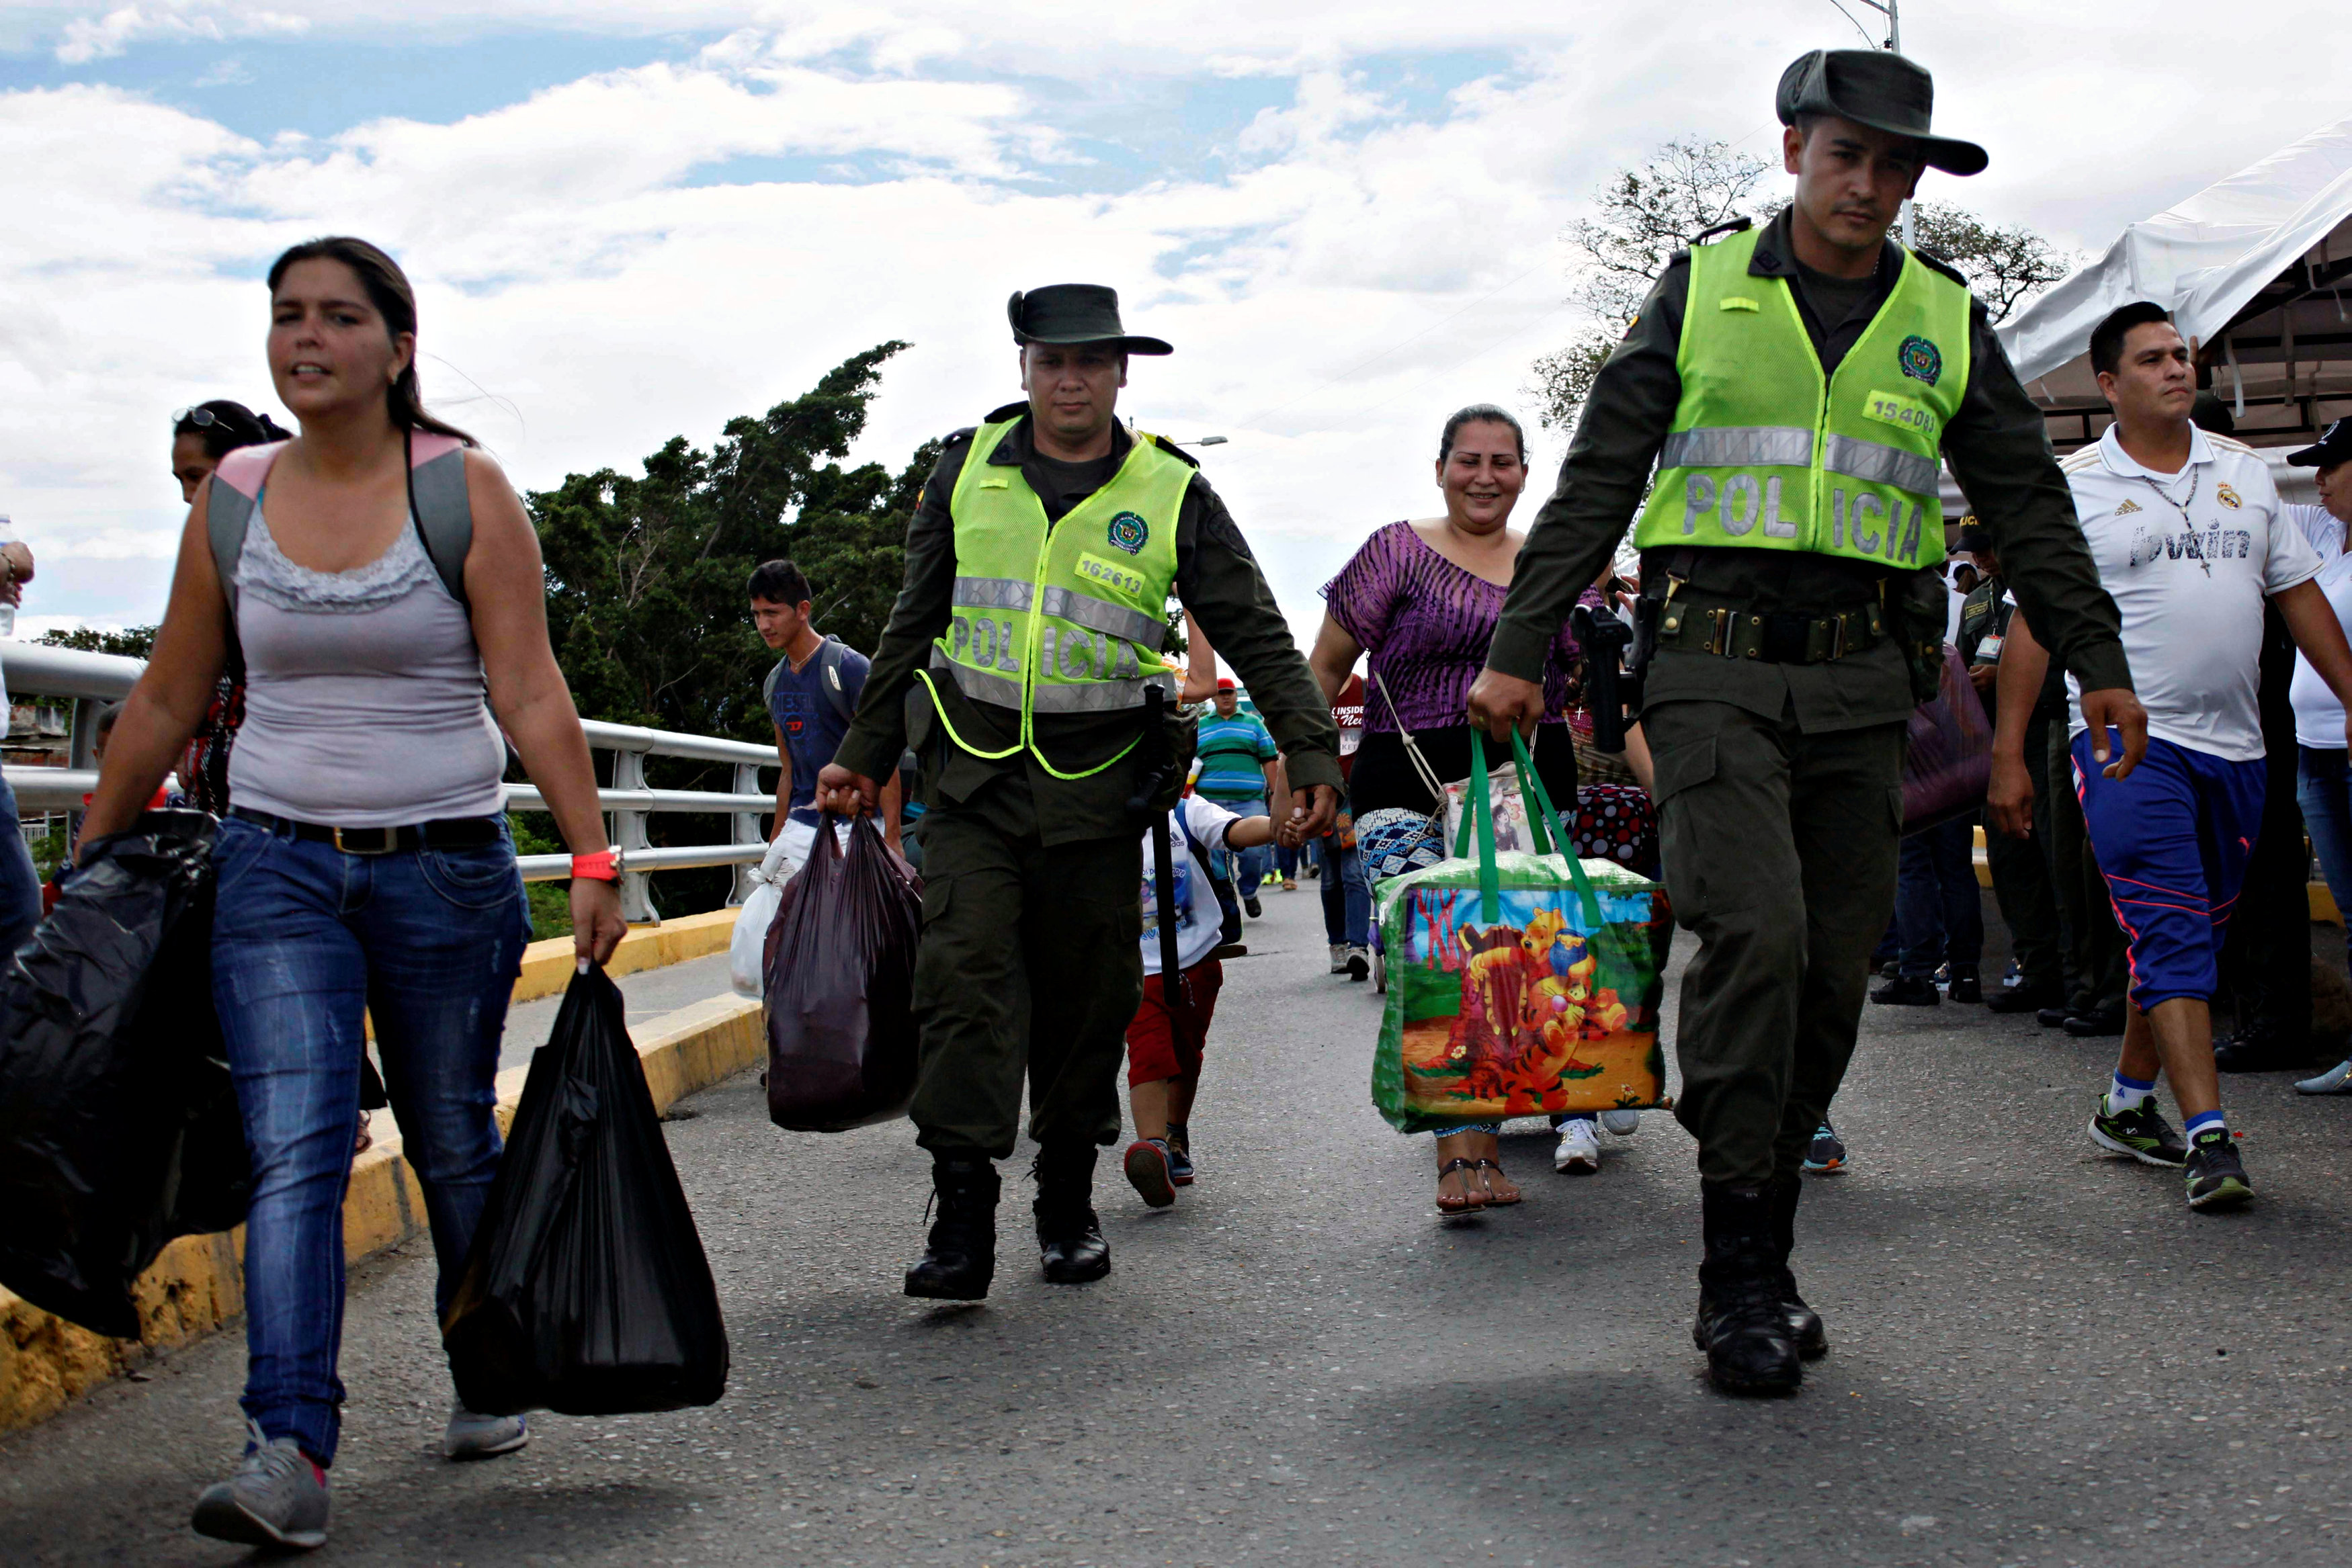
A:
<point x="1520" y="984"/>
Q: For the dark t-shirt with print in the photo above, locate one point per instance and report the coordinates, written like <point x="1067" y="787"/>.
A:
<point x="811" y="719"/>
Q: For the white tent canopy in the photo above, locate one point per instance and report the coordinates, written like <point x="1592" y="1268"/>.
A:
<point x="2253" y="269"/>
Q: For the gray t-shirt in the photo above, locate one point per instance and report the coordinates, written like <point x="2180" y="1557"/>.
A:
<point x="364" y="698"/>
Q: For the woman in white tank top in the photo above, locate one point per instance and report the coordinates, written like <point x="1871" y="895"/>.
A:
<point x="365" y="865"/>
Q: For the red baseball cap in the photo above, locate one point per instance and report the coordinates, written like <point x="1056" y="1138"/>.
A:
<point x="1226" y="684"/>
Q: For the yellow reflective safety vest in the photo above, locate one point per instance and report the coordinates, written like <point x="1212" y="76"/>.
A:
<point x="1063" y="617"/>
<point x="1766" y="453"/>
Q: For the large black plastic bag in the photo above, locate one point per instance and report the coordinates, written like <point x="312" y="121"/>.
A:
<point x="119" y="1127"/>
<point x="841" y="983"/>
<point x="586" y="1290"/>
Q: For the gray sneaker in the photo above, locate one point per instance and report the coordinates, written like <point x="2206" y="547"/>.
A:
<point x="472" y="1436"/>
<point x="1338" y="958"/>
<point x="2337" y="1080"/>
<point x="1621" y="1124"/>
<point x="275" y="1497"/>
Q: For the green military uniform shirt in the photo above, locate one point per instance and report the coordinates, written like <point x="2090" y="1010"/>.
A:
<point x="1217" y="579"/>
<point x="1996" y="444"/>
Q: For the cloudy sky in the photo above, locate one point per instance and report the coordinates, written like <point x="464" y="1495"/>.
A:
<point x="628" y="220"/>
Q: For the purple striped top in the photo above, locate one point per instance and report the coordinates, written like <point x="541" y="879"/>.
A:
<point x="1424" y="624"/>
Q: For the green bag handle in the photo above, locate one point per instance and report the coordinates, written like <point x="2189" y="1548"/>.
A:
<point x="1531" y="784"/>
<point x="1480" y="817"/>
<point x="1550" y="835"/>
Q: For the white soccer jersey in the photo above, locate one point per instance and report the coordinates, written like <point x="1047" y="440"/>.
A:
<point x="2189" y="558"/>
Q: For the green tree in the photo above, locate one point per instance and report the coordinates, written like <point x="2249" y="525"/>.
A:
<point x="1641" y="217"/>
<point x="137" y="642"/>
<point x="644" y="576"/>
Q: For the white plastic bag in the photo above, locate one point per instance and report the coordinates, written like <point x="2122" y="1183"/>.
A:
<point x="750" y="942"/>
<point x="747" y="950"/>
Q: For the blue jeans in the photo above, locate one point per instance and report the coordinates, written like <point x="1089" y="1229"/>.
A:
<point x="1347" y="897"/>
<point x="2322" y="788"/>
<point x="1937" y="907"/>
<point x="1252" y="863"/>
<point x="305" y="939"/>
<point x="20" y="884"/>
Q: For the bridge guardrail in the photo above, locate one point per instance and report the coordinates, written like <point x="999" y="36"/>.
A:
<point x="93" y="680"/>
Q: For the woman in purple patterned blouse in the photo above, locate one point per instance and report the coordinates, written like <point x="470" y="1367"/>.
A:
<point x="1421" y="599"/>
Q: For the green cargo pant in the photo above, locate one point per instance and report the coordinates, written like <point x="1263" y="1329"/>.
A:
<point x="1780" y="852"/>
<point x="1030" y="966"/>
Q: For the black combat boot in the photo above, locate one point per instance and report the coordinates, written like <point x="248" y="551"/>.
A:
<point x="1812" y="1341"/>
<point x="960" y="1259"/>
<point x="1741" y="1324"/>
<point x="1069" y="1236"/>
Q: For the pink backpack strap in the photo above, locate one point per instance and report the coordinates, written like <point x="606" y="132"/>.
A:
<point x="247" y="469"/>
<point x="424" y="446"/>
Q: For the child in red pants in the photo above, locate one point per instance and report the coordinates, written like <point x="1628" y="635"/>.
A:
<point x="1163" y="1043"/>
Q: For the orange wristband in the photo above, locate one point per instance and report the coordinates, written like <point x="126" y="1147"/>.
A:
<point x="604" y="865"/>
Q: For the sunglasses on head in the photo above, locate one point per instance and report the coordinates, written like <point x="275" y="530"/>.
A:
<point x="204" y="418"/>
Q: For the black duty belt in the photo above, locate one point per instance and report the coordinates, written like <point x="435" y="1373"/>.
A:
<point x="1703" y="623"/>
<point x="448" y="832"/>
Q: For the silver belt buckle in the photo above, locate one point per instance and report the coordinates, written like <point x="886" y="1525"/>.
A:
<point x="387" y="840"/>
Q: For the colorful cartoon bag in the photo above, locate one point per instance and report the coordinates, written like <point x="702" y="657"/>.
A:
<point x="1520" y="984"/>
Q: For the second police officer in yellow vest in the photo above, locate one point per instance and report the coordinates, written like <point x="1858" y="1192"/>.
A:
<point x="1020" y="662"/>
<point x="1796" y="387"/>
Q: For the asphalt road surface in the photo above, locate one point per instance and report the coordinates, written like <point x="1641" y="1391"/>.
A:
<point x="2040" y="1356"/>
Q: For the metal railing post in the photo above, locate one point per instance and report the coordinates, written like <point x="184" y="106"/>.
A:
<point x="746" y="828"/>
<point x="629" y="833"/>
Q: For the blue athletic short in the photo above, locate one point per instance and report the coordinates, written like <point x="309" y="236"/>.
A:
<point x="2172" y="839"/>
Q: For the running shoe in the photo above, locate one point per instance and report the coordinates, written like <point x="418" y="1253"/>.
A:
<point x="1256" y="910"/>
<point x="2141" y="1132"/>
<point x="1827" y="1152"/>
<point x="1580" y="1150"/>
<point x="1358" y="965"/>
<point x="275" y="1498"/>
<point x="1180" y="1161"/>
<point x="2337" y="1080"/>
<point x="2215" y="1176"/>
<point x="1147" y="1170"/>
<point x="471" y="1434"/>
<point x="1338" y="958"/>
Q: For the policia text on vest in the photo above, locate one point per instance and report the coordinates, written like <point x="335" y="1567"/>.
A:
<point x="1858" y="477"/>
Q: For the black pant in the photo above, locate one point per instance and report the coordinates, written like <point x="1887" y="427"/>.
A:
<point x="2266" y="961"/>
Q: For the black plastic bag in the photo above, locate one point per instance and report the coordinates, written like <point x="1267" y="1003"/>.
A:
<point x="841" y="984"/>
<point x="586" y="1289"/>
<point x="119" y="1127"/>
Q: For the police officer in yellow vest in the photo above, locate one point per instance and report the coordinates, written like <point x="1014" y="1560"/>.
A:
<point x="1021" y="660"/>
<point x="1795" y="388"/>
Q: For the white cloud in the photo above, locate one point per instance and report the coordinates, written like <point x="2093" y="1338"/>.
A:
<point x="88" y="38"/>
<point x="598" y="259"/>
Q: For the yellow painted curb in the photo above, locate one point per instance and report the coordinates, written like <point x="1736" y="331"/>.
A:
<point x="547" y="966"/>
<point x="198" y="1282"/>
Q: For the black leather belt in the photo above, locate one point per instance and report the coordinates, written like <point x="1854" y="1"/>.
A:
<point x="1701" y="624"/>
<point x="448" y="832"/>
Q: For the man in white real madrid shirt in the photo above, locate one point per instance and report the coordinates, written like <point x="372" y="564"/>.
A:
<point x="2187" y="531"/>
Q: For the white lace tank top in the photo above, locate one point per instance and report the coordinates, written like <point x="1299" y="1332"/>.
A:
<point x="364" y="703"/>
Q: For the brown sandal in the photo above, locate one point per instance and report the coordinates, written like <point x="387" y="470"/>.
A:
<point x="1470" y="1202"/>
<point x="1494" y="1198"/>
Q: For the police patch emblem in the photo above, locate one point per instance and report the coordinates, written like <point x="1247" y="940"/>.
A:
<point x="2228" y="497"/>
<point x="1920" y="359"/>
<point x="1130" y="532"/>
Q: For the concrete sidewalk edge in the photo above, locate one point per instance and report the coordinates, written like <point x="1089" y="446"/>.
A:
<point x="198" y="1285"/>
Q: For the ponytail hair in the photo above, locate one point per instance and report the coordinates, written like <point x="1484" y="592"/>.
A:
<point x="388" y="290"/>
